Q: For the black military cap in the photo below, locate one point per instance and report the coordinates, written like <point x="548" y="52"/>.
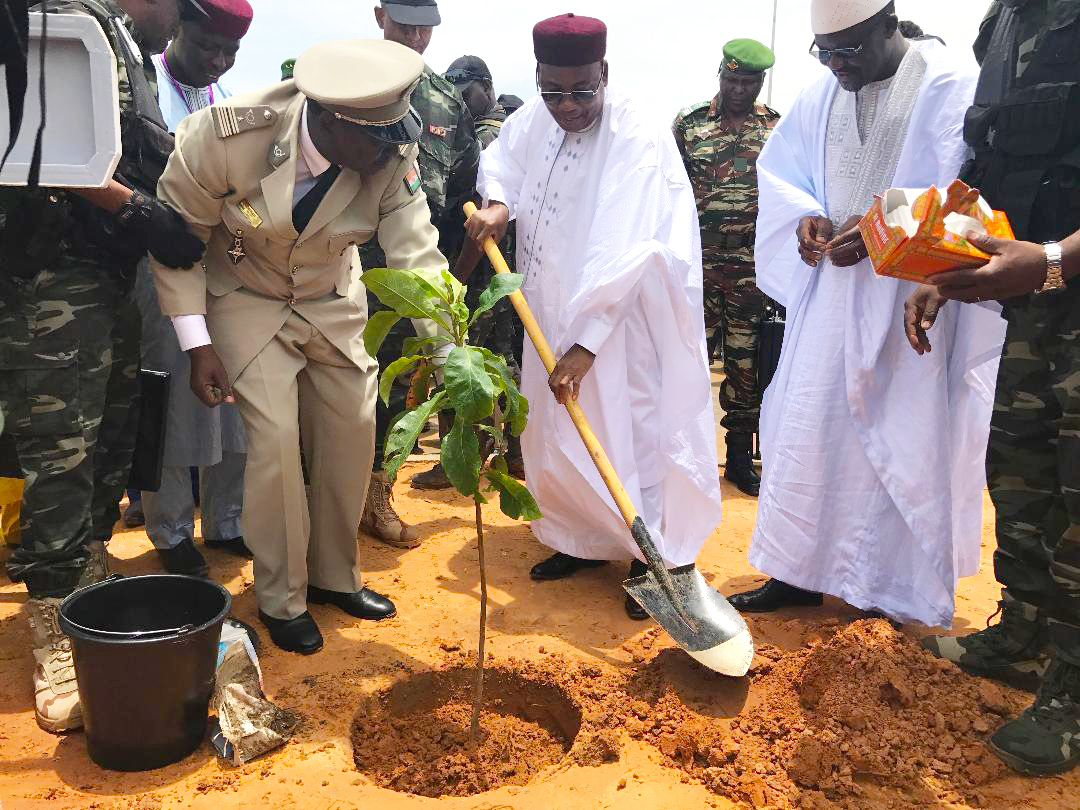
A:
<point x="468" y="69"/>
<point x="510" y="102"/>
<point x="413" y="12"/>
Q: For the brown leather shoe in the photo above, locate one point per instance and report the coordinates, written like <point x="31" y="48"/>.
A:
<point x="381" y="521"/>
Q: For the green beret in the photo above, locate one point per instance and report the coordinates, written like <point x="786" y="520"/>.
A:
<point x="747" y="56"/>
<point x="287" y="69"/>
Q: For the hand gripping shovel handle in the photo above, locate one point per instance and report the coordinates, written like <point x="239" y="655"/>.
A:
<point x="603" y="465"/>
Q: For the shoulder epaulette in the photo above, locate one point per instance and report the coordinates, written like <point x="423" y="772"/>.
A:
<point x="231" y="121"/>
<point x="446" y="86"/>
<point x="771" y="111"/>
<point x="693" y="108"/>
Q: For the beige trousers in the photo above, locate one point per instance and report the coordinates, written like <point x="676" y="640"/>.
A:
<point x="301" y="390"/>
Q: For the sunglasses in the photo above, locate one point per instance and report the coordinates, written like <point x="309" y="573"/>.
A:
<point x="554" y="97"/>
<point x="826" y="55"/>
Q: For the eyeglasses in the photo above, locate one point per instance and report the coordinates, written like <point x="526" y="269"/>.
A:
<point x="825" y="55"/>
<point x="554" y="97"/>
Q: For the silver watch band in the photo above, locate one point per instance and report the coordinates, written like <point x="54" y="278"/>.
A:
<point x="1054" y="278"/>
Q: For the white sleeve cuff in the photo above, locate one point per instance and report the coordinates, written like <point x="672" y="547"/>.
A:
<point x="591" y="333"/>
<point x="190" y="331"/>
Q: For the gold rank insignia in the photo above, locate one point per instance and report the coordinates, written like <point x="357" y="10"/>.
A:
<point x="231" y="121"/>
<point x="439" y="132"/>
<point x="250" y="214"/>
<point x="237" y="253"/>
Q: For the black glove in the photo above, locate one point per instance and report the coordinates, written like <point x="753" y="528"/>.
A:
<point x="161" y="231"/>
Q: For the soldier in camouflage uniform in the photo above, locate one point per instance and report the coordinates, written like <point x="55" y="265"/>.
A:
<point x="499" y="329"/>
<point x="69" y="350"/>
<point x="720" y="141"/>
<point x="449" y="158"/>
<point x="1024" y="129"/>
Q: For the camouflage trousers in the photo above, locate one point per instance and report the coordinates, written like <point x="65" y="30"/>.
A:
<point x="1033" y="462"/>
<point x="69" y="360"/>
<point x="735" y="306"/>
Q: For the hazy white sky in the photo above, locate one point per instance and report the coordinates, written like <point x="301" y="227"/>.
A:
<point x="665" y="53"/>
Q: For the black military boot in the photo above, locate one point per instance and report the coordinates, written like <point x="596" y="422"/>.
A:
<point x="1045" y="739"/>
<point x="739" y="469"/>
<point x="1013" y="651"/>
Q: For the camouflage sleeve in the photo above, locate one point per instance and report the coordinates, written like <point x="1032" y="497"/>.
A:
<point x="680" y="140"/>
<point x="466" y="160"/>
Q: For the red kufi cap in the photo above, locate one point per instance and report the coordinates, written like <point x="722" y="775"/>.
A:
<point x="570" y="41"/>
<point x="230" y="18"/>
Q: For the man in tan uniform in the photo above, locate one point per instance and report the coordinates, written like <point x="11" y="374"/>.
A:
<point x="282" y="184"/>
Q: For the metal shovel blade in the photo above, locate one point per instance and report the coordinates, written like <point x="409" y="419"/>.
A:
<point x="715" y="635"/>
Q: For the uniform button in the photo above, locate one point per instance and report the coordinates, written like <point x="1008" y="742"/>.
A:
<point x="295" y="269"/>
<point x="292" y="302"/>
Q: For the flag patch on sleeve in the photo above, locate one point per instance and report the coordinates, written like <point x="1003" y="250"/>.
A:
<point x="412" y="180"/>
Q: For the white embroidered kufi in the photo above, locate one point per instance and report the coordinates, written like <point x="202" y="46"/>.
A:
<point x="830" y="16"/>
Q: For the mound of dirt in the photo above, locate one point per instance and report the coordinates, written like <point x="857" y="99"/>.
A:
<point x="865" y="708"/>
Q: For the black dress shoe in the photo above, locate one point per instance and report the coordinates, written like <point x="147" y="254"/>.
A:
<point x="740" y="471"/>
<point x="299" y="635"/>
<point x="184" y="559"/>
<point x="774" y="595"/>
<point x="364" y="604"/>
<point x="560" y="566"/>
<point x="233" y="545"/>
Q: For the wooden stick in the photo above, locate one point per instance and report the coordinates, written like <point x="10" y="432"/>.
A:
<point x="478" y="683"/>
<point x="599" y="457"/>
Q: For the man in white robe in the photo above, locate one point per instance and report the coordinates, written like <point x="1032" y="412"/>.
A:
<point x="609" y="245"/>
<point x="210" y="439"/>
<point x="872" y="462"/>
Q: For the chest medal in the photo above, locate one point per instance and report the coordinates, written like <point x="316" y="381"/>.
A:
<point x="250" y="214"/>
<point x="237" y="253"/>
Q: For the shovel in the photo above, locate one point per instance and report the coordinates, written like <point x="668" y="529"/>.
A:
<point x="698" y="618"/>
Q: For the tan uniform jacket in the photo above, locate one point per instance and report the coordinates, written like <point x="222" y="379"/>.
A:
<point x="231" y="178"/>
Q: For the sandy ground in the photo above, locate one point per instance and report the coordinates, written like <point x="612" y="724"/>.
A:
<point x="580" y="621"/>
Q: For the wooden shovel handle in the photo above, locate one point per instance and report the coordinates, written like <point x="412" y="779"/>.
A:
<point x="599" y="457"/>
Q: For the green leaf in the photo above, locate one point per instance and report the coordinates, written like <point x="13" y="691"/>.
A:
<point x="423" y="346"/>
<point x="378" y="327"/>
<point x="401" y="438"/>
<point x="453" y="285"/>
<point x="517" y="407"/>
<point x="435" y="284"/>
<point x="392" y="372"/>
<point x="460" y="457"/>
<point x="515" y="500"/>
<point x="403" y="291"/>
<point x="468" y="385"/>
<point x="502" y="284"/>
<point x="461" y="316"/>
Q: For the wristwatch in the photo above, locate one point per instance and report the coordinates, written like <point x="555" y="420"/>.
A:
<point x="1054" y="279"/>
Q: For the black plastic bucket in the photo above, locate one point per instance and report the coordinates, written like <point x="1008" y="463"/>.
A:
<point x="145" y="652"/>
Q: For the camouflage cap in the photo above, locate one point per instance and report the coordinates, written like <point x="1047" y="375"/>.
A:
<point x="747" y="56"/>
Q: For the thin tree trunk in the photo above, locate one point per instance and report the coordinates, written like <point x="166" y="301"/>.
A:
<point x="478" y="690"/>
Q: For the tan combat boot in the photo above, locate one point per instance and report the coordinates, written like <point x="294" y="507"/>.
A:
<point x="56" y="692"/>
<point x="380" y="520"/>
<point x="97" y="566"/>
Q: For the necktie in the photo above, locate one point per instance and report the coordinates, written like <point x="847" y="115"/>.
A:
<point x="306" y="207"/>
